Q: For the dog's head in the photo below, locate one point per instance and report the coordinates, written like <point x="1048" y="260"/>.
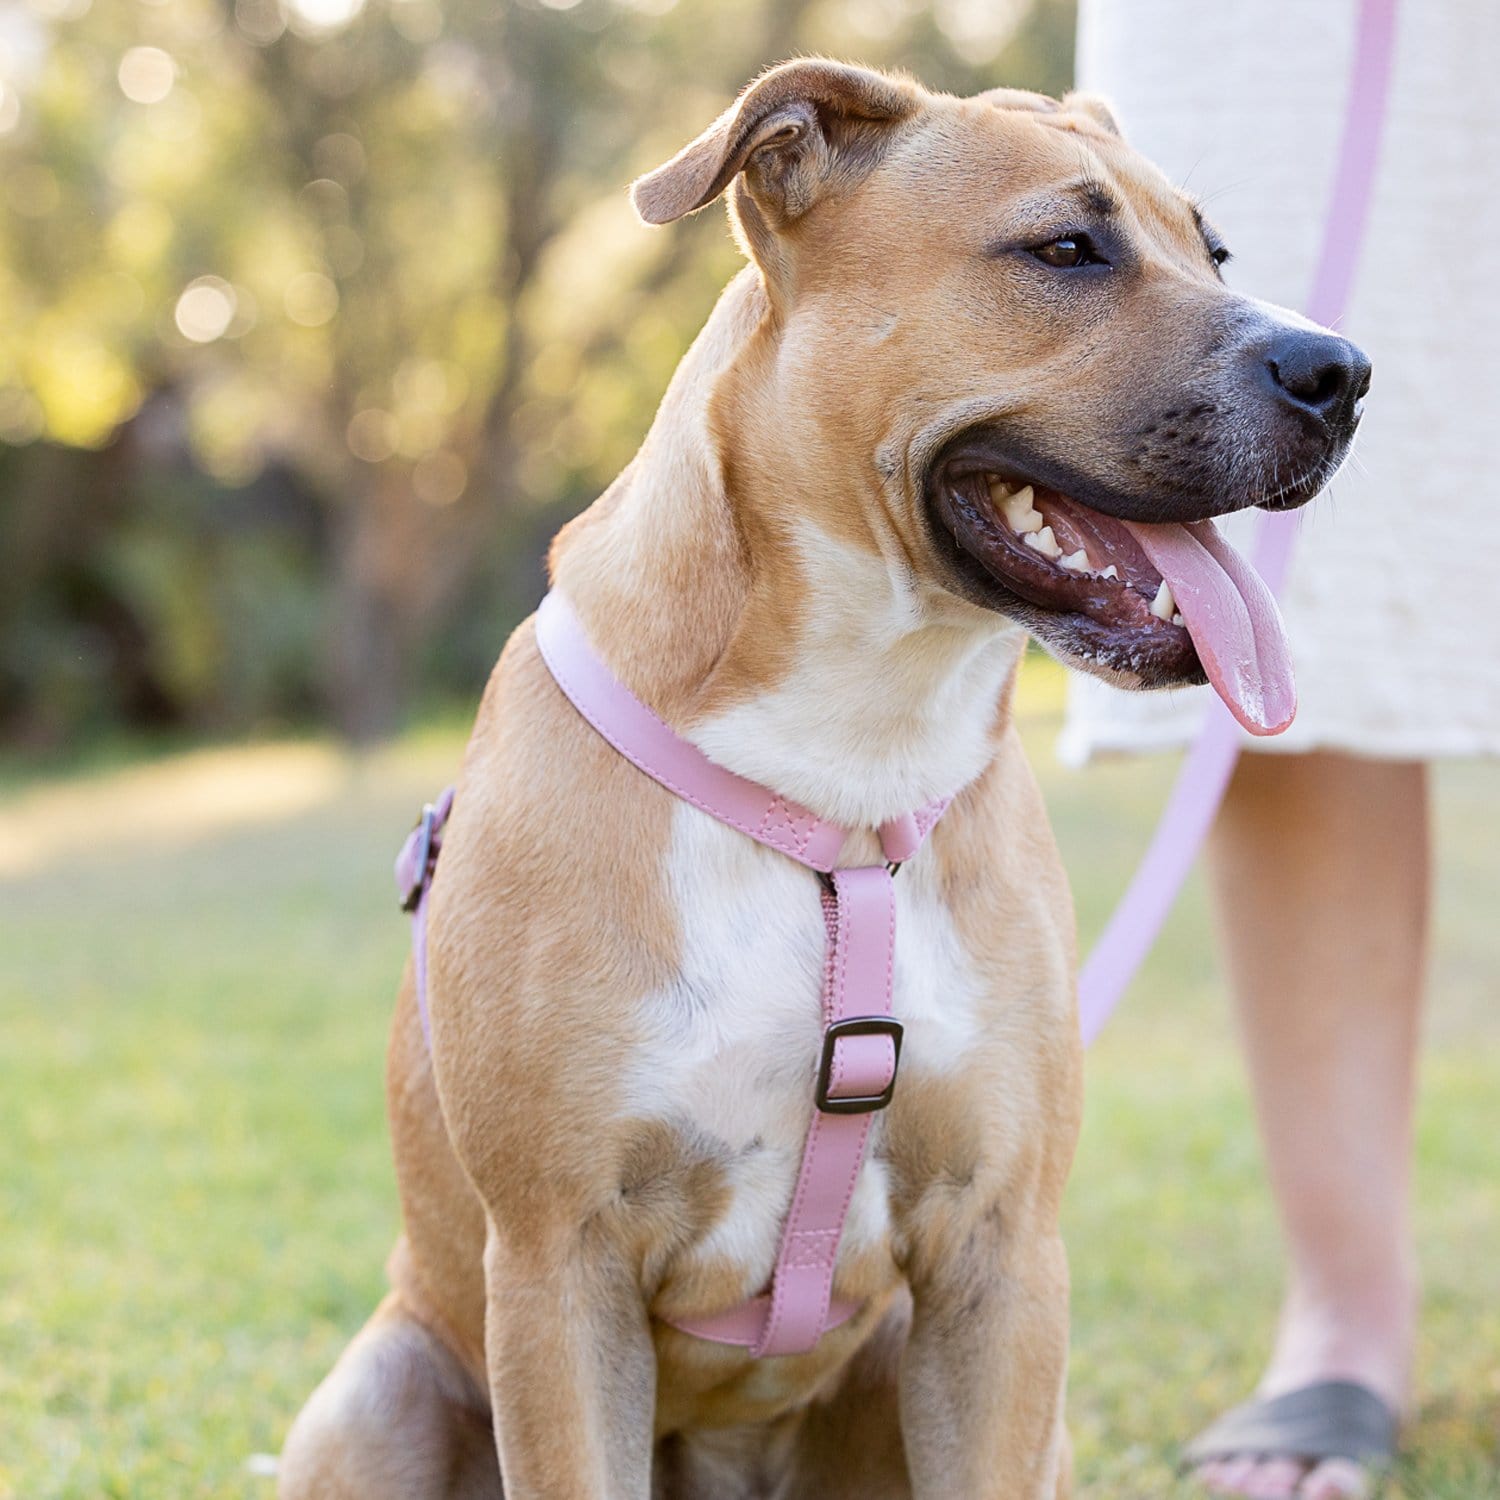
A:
<point x="1017" y="327"/>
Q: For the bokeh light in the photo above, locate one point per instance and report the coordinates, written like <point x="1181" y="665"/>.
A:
<point x="325" y="198"/>
<point x="310" y="299"/>
<point x="85" y="388"/>
<point x="205" y="309"/>
<point x="59" y="10"/>
<point x="139" y="234"/>
<point x="980" y="27"/>
<point x="339" y="156"/>
<point x="322" y="15"/>
<point x="439" y="478"/>
<point x="260" y="22"/>
<point x="433" y="384"/>
<point x="147" y="74"/>
<point x="371" y="435"/>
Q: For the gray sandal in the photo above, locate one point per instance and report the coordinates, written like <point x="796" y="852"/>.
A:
<point x="1332" y="1419"/>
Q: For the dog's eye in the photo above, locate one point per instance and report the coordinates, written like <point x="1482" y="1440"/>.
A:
<point x="1069" y="252"/>
<point x="1219" y="254"/>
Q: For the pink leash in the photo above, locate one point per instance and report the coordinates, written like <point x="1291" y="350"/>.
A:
<point x="1194" y="803"/>
<point x="861" y="1038"/>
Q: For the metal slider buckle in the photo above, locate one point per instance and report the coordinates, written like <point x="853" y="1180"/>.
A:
<point x="857" y="1104"/>
<point x="424" y="827"/>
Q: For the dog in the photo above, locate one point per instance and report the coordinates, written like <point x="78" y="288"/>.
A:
<point x="980" y="378"/>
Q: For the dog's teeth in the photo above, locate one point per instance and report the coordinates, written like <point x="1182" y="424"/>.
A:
<point x="1077" y="561"/>
<point x="999" y="489"/>
<point x="1164" y="606"/>
<point x="1110" y="572"/>
<point x="1178" y="620"/>
<point x="1044" y="542"/>
<point x="1020" y="514"/>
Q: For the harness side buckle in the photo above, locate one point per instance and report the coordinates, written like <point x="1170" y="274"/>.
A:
<point x="424" y="833"/>
<point x="857" y="1104"/>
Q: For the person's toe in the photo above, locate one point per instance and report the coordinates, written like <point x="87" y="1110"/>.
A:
<point x="1228" y="1478"/>
<point x="1336" y="1479"/>
<point x="1275" y="1479"/>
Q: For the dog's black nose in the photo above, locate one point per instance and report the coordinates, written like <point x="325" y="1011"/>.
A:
<point x="1319" y="373"/>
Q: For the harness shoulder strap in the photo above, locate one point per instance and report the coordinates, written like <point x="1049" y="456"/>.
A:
<point x="651" y="744"/>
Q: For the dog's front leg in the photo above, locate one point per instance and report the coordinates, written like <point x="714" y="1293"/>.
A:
<point x="982" y="1377"/>
<point x="571" y="1368"/>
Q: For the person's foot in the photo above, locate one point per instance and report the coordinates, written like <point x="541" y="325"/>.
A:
<point x="1371" y="1348"/>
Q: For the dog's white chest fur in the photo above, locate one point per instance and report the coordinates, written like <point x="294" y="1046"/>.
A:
<point x="732" y="1043"/>
<point x="890" y="702"/>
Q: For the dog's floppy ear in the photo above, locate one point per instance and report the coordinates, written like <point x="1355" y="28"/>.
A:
<point x="1020" y="99"/>
<point x="1095" y="109"/>
<point x="791" y="132"/>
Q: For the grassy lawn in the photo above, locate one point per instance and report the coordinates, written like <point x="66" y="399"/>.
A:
<point x="199" y="955"/>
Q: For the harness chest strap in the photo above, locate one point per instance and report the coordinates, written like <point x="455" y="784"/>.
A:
<point x="861" y="1039"/>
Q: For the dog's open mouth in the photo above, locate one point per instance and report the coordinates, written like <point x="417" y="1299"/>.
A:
<point x="1157" y="603"/>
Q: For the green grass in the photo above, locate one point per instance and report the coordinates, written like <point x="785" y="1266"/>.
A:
<point x="197" y="959"/>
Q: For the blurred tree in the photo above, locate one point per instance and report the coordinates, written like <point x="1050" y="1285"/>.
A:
<point x="321" y="314"/>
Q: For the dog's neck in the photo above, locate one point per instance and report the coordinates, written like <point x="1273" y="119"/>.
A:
<point x="818" y="664"/>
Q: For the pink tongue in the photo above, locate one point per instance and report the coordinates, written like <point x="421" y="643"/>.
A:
<point x="1232" y="618"/>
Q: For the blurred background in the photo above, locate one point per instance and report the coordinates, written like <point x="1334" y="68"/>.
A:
<point x="317" y="317"/>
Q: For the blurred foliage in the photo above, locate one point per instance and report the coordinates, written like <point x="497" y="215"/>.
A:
<point x="320" y="315"/>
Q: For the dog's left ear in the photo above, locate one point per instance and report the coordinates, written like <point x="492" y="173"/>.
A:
<point x="793" y="132"/>
<point x="1094" y="108"/>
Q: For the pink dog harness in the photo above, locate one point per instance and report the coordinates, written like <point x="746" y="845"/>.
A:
<point x="861" y="1038"/>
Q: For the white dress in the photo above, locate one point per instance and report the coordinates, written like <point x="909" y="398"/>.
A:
<point x="1393" y="600"/>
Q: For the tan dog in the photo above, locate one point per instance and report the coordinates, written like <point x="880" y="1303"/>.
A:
<point x="820" y="569"/>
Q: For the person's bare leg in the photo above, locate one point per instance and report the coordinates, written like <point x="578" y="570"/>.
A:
<point x="1322" y="877"/>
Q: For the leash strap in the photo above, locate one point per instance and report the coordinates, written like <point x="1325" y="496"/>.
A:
<point x="861" y="1038"/>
